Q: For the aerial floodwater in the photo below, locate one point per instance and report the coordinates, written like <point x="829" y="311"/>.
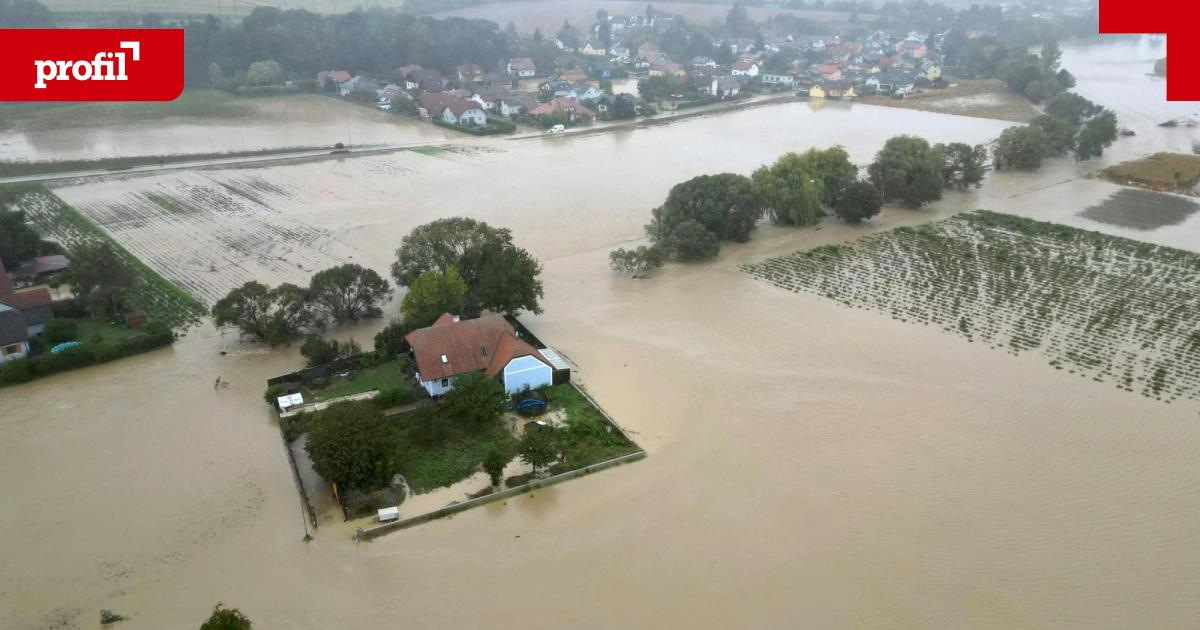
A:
<point x="810" y="464"/>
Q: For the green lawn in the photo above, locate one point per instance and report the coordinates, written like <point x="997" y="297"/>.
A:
<point x="392" y="375"/>
<point x="89" y="328"/>
<point x="588" y="436"/>
<point x="452" y="458"/>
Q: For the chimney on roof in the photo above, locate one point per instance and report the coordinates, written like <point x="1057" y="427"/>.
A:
<point x="456" y="318"/>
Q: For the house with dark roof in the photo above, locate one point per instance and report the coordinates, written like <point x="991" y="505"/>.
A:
<point x="14" y="335"/>
<point x="451" y="347"/>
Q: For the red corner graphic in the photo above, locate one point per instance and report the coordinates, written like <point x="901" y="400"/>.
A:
<point x="1179" y="20"/>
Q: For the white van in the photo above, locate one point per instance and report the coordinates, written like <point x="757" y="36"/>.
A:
<point x="557" y="129"/>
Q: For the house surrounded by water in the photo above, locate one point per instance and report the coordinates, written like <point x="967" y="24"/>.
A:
<point x="451" y="347"/>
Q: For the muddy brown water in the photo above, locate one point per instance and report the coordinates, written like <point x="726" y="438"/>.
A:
<point x="810" y="465"/>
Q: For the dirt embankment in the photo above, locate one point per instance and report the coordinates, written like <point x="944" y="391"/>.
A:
<point x="982" y="98"/>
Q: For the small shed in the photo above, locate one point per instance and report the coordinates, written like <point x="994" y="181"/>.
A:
<point x="290" y="400"/>
<point x="136" y="319"/>
<point x="562" y="369"/>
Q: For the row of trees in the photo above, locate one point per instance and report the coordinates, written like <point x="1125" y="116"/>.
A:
<point x="798" y="189"/>
<point x="376" y="41"/>
<point x="454" y="265"/>
<point x="278" y="314"/>
<point x="1071" y="125"/>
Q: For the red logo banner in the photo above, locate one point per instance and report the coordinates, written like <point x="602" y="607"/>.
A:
<point x="1178" y="19"/>
<point x="91" y="64"/>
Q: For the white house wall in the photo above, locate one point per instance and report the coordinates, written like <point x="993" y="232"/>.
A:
<point x="527" y="371"/>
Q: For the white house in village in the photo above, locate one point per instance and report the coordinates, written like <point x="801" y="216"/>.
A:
<point x="451" y="347"/>
<point x="464" y="112"/>
<point x="745" y="69"/>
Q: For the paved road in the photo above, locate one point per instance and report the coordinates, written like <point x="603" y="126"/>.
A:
<point x="225" y="161"/>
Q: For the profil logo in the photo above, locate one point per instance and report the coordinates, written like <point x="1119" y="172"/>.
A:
<point x="1177" y="19"/>
<point x="92" y="64"/>
<point x="106" y="66"/>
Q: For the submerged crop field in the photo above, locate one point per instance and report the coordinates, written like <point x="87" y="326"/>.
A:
<point x="60" y="222"/>
<point x="1100" y="306"/>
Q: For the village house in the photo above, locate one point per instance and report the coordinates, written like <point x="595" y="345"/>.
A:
<point x="725" y="87"/>
<point x="14" y="337"/>
<point x="593" y="49"/>
<point x="431" y="104"/>
<point x="452" y="347"/>
<point x="359" y="84"/>
<point x="464" y="112"/>
<point x="574" y="110"/>
<point x="336" y="77"/>
<point x="517" y="103"/>
<point x="522" y="67"/>
<point x="833" y="89"/>
<point x="785" y="80"/>
<point x="745" y="69"/>
<point x="827" y="72"/>
<point x="25" y="310"/>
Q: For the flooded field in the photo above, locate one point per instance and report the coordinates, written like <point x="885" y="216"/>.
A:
<point x="807" y="460"/>
<point x="211" y="230"/>
<point x="1142" y="210"/>
<point x="240" y="125"/>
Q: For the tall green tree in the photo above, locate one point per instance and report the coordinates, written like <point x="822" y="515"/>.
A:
<point x="1060" y="133"/>
<point x="858" y="201"/>
<point x="350" y="443"/>
<point x="790" y="191"/>
<point x="1020" y="148"/>
<point x="726" y="205"/>
<point x="1097" y="134"/>
<point x="270" y="315"/>
<point x="541" y="447"/>
<point x="432" y="294"/>
<point x="963" y="165"/>
<point x="19" y="240"/>
<point x="690" y="242"/>
<point x="101" y="278"/>
<point x="476" y="401"/>
<point x="1051" y="57"/>
<point x="349" y="292"/>
<point x="1072" y="107"/>
<point x="475" y="250"/>
<point x="636" y="262"/>
<point x="226" y="619"/>
<point x="908" y="170"/>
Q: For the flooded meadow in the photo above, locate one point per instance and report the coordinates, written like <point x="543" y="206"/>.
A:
<point x="809" y="463"/>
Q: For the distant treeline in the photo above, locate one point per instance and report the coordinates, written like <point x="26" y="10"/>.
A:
<point x="376" y="42"/>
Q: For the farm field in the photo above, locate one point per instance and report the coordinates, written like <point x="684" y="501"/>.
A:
<point x="985" y="98"/>
<point x="1103" y="307"/>
<point x="211" y="231"/>
<point x="1173" y="172"/>
<point x="58" y="221"/>
<point x="201" y="121"/>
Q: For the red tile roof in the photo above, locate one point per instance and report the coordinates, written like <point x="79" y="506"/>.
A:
<point x="487" y="343"/>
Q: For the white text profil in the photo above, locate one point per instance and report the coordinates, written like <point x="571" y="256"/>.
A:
<point x="105" y="66"/>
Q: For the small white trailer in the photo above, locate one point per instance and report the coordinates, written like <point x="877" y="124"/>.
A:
<point x="389" y="514"/>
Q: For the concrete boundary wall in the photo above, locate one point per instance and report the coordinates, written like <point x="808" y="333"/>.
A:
<point x="404" y="523"/>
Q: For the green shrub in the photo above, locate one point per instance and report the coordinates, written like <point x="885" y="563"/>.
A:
<point x="393" y="397"/>
<point x="273" y="393"/>
<point x="15" y="371"/>
<point x="61" y="330"/>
